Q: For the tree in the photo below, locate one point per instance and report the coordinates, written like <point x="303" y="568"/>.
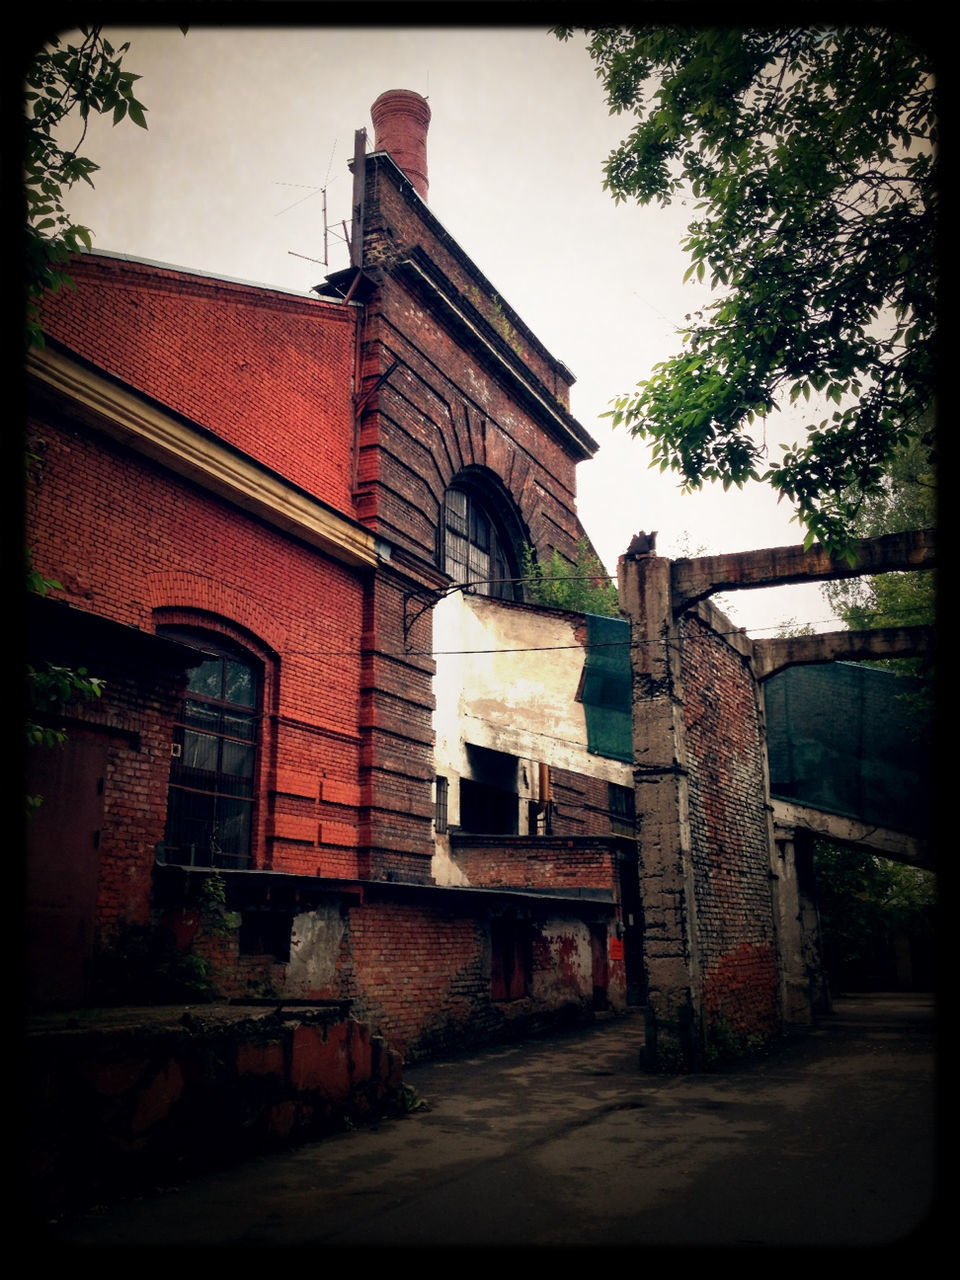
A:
<point x="811" y="153"/>
<point x="868" y="905"/>
<point x="583" y="586"/>
<point x="64" y="80"/>
<point x="905" y="499"/>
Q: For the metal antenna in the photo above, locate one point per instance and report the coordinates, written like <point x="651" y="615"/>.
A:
<point x="312" y="191"/>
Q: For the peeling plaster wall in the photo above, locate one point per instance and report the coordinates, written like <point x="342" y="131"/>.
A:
<point x="507" y="679"/>
<point x="315" y="943"/>
<point x="565" y="970"/>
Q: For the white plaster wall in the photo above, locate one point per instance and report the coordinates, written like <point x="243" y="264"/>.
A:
<point x="514" y="689"/>
<point x="314" y="947"/>
<point x="571" y="968"/>
<point x="507" y="678"/>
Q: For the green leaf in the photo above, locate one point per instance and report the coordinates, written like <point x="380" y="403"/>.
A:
<point x="808" y="152"/>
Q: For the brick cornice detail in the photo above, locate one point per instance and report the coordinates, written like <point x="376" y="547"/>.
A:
<point x="184" y="448"/>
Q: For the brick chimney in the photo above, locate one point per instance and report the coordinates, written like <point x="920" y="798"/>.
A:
<point x="400" y="121"/>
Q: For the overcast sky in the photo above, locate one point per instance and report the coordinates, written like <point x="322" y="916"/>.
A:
<point x="247" y="125"/>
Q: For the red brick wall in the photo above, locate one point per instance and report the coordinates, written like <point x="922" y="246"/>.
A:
<point x="420" y="974"/>
<point x="416" y="973"/>
<point x="130" y="543"/>
<point x="580" y="804"/>
<point x="728" y="819"/>
<point x="268" y="372"/>
<point x="547" y="864"/>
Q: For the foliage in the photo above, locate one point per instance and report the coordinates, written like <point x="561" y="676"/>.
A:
<point x="143" y="965"/>
<point x="811" y="153"/>
<point x="906" y="499"/>
<point x="410" y="1100"/>
<point x="865" y="902"/>
<point x="212" y="904"/>
<point x="723" y="1045"/>
<point x="790" y="627"/>
<point x="61" y="80"/>
<point x="584" y="586"/>
<point x="50" y="688"/>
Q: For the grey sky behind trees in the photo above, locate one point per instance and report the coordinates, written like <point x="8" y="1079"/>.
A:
<point x="248" y="125"/>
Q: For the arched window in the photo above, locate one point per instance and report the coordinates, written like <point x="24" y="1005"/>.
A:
<point x="214" y="758"/>
<point x="476" y="546"/>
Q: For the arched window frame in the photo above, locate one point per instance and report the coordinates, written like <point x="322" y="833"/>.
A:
<point x="479" y="537"/>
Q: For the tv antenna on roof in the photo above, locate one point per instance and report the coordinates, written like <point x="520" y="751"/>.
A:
<point x="311" y="192"/>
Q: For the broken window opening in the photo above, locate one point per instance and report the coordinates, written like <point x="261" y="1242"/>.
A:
<point x="489" y="799"/>
<point x="622" y="810"/>
<point x="265" y="933"/>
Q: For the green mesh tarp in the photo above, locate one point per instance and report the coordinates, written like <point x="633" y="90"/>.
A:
<point x="852" y="740"/>
<point x="606" y="688"/>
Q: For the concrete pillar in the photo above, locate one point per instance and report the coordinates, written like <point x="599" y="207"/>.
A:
<point x="662" y="802"/>
<point x="803" y="984"/>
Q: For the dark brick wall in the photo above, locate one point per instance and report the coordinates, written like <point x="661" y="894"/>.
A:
<point x="443" y="409"/>
<point x="581" y="804"/>
<point x="544" y="863"/>
<point x="728" y="819"/>
<point x="396" y="761"/>
<point x="132" y="723"/>
<point x="420" y="973"/>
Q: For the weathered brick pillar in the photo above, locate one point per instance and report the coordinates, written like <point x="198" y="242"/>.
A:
<point x="660" y="778"/>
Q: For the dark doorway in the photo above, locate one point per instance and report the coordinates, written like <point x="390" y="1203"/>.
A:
<point x="598" y="963"/>
<point x="63" y="867"/>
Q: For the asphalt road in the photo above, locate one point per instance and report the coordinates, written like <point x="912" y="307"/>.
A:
<point x="826" y="1141"/>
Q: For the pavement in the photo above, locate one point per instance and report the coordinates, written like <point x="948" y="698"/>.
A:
<point x="826" y="1140"/>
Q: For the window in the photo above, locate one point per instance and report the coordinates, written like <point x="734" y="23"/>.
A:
<point x="475" y="547"/>
<point x="622" y="810"/>
<point x="440" y="813"/>
<point x="214" y="756"/>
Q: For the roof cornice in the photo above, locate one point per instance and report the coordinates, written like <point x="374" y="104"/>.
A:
<point x="189" y="450"/>
<point x="458" y="315"/>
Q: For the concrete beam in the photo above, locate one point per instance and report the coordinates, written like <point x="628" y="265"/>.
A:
<point x="771" y="656"/>
<point x="895" y="845"/>
<point x="693" y="580"/>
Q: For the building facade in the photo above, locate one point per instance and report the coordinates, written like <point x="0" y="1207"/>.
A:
<point x="289" y="533"/>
